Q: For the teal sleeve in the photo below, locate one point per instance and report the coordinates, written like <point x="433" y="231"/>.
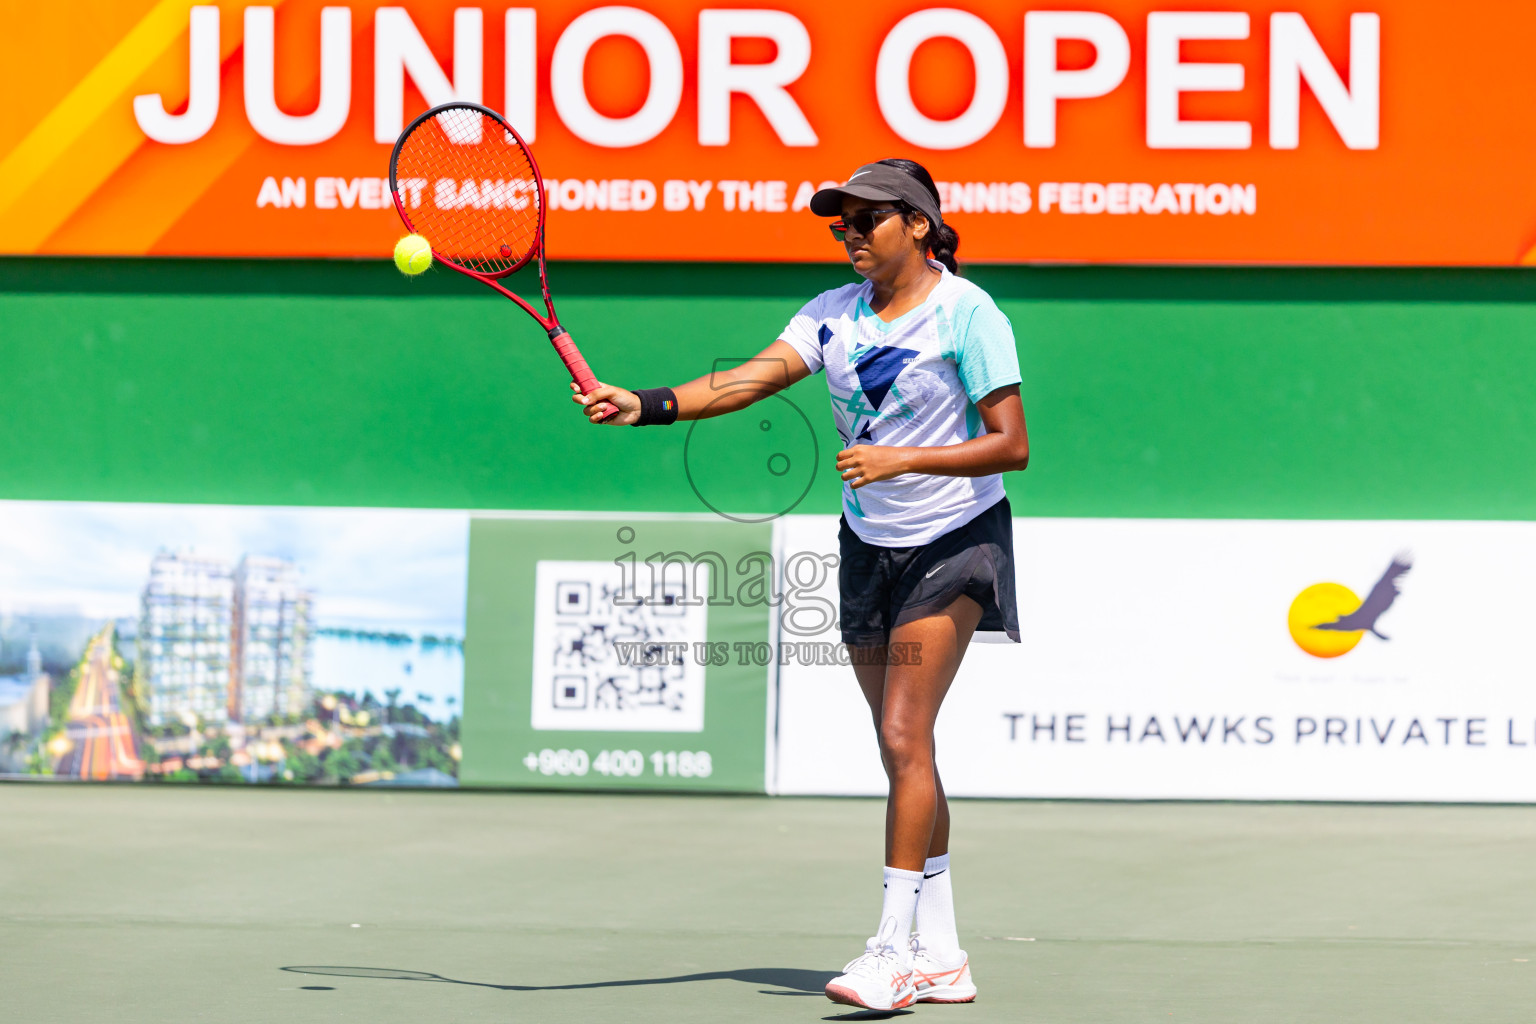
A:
<point x="986" y="358"/>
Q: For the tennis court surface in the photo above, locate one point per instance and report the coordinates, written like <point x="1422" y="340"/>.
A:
<point x="129" y="903"/>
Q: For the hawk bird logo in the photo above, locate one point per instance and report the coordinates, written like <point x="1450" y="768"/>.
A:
<point x="1376" y="602"/>
<point x="1328" y="619"/>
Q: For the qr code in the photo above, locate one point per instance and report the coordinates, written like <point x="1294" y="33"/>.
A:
<point x="611" y="654"/>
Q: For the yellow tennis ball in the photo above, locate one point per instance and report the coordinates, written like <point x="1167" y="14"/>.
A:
<point x="413" y="254"/>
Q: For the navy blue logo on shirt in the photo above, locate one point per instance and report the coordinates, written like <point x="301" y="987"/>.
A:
<point x="878" y="369"/>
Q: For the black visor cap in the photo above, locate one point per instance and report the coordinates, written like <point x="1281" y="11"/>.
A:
<point x="878" y="181"/>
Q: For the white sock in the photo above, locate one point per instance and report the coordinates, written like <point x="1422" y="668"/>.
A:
<point x="901" y="895"/>
<point x="936" y="910"/>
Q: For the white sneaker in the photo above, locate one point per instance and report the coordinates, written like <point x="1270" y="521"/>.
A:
<point x="878" y="980"/>
<point x="941" y="981"/>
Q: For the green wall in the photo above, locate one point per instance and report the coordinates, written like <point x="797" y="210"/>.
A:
<point x="1150" y="392"/>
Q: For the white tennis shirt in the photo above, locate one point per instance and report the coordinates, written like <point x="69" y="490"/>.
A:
<point x="913" y="382"/>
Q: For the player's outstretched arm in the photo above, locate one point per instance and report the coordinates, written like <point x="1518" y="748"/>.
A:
<point x="769" y="372"/>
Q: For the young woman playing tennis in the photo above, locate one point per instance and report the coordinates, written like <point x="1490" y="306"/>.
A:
<point x="924" y="379"/>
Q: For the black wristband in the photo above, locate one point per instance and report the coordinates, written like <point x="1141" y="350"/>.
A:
<point x="658" y="406"/>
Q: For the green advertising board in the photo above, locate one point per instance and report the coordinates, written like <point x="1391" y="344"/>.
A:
<point x="617" y="652"/>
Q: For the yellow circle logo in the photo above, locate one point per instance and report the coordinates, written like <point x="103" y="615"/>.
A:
<point x="1320" y="603"/>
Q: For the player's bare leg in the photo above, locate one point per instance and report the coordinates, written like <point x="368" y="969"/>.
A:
<point x="904" y="699"/>
<point x="871" y="676"/>
<point x="938" y="846"/>
<point x="904" y="702"/>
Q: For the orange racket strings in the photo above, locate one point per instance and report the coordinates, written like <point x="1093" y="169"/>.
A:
<point x="475" y="197"/>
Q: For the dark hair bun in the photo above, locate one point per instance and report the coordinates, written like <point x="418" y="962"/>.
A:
<point x="942" y="244"/>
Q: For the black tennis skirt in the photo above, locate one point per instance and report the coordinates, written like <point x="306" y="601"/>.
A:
<point x="881" y="588"/>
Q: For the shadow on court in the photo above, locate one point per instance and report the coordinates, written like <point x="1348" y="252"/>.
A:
<point x="788" y="981"/>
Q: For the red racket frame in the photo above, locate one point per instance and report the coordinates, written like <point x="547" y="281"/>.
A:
<point x="569" y="354"/>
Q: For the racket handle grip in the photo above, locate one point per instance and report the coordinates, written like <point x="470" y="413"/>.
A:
<point x="580" y="372"/>
<point x="570" y="355"/>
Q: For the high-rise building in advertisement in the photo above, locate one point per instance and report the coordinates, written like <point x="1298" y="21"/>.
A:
<point x="184" y="637"/>
<point x="270" y="651"/>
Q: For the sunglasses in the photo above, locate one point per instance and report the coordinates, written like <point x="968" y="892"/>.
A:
<point x="861" y="223"/>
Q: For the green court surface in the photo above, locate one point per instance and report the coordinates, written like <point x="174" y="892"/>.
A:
<point x="143" y="903"/>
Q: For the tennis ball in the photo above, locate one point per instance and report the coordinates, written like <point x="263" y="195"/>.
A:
<point x="413" y="254"/>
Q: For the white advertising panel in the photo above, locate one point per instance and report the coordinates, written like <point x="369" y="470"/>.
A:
<point x="1216" y="660"/>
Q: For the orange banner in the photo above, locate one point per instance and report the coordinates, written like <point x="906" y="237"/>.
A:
<point x="1315" y="131"/>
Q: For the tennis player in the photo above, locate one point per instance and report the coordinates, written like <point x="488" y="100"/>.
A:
<point x="924" y="379"/>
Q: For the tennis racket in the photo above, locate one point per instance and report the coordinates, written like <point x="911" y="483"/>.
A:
<point x="463" y="179"/>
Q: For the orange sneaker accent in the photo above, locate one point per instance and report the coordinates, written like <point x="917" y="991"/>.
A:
<point x="923" y="982"/>
<point x="846" y="996"/>
<point x="941" y="978"/>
